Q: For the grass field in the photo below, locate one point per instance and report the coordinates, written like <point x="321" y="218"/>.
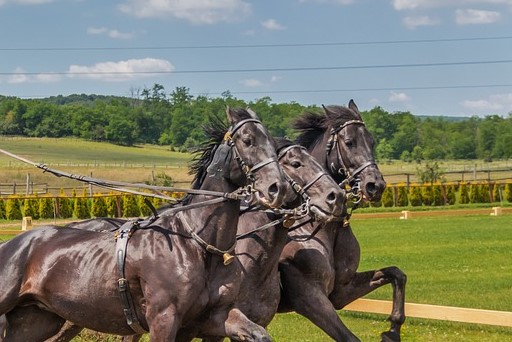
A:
<point x="453" y="261"/>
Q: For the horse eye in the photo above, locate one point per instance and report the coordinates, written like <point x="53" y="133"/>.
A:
<point x="296" y="164"/>
<point x="349" y="143"/>
<point x="246" y="141"/>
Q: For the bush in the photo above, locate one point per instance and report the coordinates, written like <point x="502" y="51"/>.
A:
<point x="81" y="207"/>
<point x="13" y="208"/>
<point x="387" y="197"/>
<point x="437" y="195"/>
<point x="485" y="193"/>
<point x="99" y="206"/>
<point x="31" y="208"/>
<point x="508" y="192"/>
<point x="46" y="208"/>
<point x="427" y="195"/>
<point x="130" y="207"/>
<point x="402" y="197"/>
<point x="474" y="193"/>
<point x="463" y="194"/>
<point x="2" y="209"/>
<point x="415" y="196"/>
<point x="450" y="194"/>
<point x="64" y="205"/>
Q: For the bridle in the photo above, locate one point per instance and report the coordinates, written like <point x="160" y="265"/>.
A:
<point x="347" y="177"/>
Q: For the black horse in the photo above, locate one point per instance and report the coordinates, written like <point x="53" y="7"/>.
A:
<point x="319" y="276"/>
<point x="174" y="266"/>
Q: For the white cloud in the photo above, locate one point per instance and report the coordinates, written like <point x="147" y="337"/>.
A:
<point x="195" y="11"/>
<point x="335" y="2"/>
<point x="121" y="70"/>
<point x="398" y="97"/>
<point x="272" y="24"/>
<point x="24" y="2"/>
<point x="471" y="16"/>
<point x="112" y="33"/>
<point x="20" y="76"/>
<point x="251" y="83"/>
<point x="414" y="21"/>
<point x="418" y="4"/>
<point x="274" y="79"/>
<point x="494" y="103"/>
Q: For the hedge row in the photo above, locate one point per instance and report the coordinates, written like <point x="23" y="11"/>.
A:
<point x="445" y="194"/>
<point x="77" y="207"/>
<point x="116" y="205"/>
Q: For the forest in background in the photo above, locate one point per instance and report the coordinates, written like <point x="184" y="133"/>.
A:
<point x="155" y="116"/>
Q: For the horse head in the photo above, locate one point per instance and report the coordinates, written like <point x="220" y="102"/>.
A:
<point x="244" y="155"/>
<point x="351" y="155"/>
<point x="319" y="193"/>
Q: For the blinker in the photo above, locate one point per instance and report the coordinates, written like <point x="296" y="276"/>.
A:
<point x="219" y="167"/>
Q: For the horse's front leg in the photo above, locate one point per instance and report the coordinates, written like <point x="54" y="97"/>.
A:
<point x="365" y="282"/>
<point x="235" y="325"/>
<point x="31" y="324"/>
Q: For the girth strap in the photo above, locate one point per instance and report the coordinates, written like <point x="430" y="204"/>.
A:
<point x="122" y="235"/>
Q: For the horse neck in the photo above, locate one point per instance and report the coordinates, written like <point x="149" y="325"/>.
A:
<point x="318" y="149"/>
<point x="216" y="223"/>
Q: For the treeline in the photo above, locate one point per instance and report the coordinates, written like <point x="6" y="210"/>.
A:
<point x="155" y="116"/>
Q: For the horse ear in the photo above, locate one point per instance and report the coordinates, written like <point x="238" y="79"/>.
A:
<point x="327" y="111"/>
<point x="252" y="113"/>
<point x="352" y="105"/>
<point x="232" y="116"/>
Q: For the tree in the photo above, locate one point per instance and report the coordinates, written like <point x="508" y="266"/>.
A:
<point x="46" y="207"/>
<point x="430" y="173"/>
<point x="99" y="206"/>
<point x="13" y="208"/>
<point x="415" y="196"/>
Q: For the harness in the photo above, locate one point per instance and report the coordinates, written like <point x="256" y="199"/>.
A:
<point x="347" y="177"/>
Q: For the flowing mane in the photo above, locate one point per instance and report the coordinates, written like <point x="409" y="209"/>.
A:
<point x="214" y="133"/>
<point x="312" y="125"/>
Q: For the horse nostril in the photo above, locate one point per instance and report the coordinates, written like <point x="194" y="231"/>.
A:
<point x="273" y="191"/>
<point x="331" y="197"/>
<point x="371" y="188"/>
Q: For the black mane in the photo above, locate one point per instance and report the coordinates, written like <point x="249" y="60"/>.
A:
<point x="312" y="125"/>
<point x="214" y="132"/>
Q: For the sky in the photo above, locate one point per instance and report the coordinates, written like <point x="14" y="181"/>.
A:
<point x="427" y="57"/>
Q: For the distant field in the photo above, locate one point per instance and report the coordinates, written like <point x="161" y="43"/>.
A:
<point x="135" y="164"/>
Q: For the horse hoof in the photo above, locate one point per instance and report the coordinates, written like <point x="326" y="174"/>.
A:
<point x="390" y="336"/>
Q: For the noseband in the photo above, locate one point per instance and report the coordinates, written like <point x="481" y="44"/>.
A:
<point x="348" y="178"/>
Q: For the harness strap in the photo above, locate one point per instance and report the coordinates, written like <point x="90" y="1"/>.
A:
<point x="226" y="254"/>
<point x="122" y="235"/>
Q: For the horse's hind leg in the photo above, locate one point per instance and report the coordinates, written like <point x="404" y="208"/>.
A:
<point x="66" y="333"/>
<point x="31" y="324"/>
<point x="366" y="282"/>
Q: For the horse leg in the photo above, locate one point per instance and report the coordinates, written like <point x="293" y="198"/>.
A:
<point x="307" y="299"/>
<point x="365" y="282"/>
<point x="235" y="325"/>
<point x="31" y="324"/>
<point x="66" y="333"/>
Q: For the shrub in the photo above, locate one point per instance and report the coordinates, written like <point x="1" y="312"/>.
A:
<point x="415" y="196"/>
<point x="427" y="195"/>
<point x="463" y="194"/>
<point x="112" y="205"/>
<point x="64" y="205"/>
<point x="387" y="197"/>
<point x="437" y="195"/>
<point x="130" y="207"/>
<point x="81" y="207"/>
<point x="46" y="208"/>
<point x="13" y="208"/>
<point x="99" y="206"/>
<point x="485" y="193"/>
<point x="402" y="199"/>
<point x="2" y="209"/>
<point x="450" y="194"/>
<point x="497" y="192"/>
<point x="508" y="192"/>
<point x="31" y="208"/>
<point x="474" y="193"/>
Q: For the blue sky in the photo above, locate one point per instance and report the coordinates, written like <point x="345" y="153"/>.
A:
<point x="429" y="57"/>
